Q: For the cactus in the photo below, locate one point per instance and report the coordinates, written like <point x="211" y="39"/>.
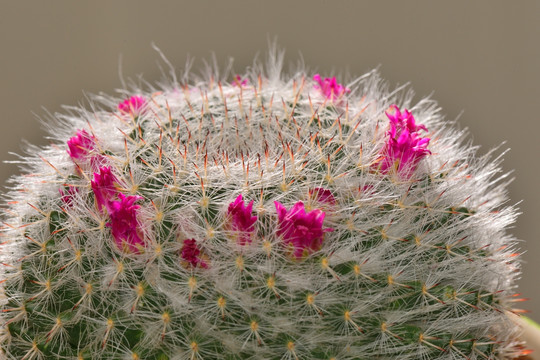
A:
<point x="267" y="217"/>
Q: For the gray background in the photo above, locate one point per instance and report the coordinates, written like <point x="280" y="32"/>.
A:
<point x="479" y="57"/>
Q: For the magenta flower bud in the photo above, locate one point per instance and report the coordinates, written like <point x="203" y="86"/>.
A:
<point x="329" y="87"/>
<point x="403" y="120"/>
<point x="239" y="81"/>
<point x="103" y="188"/>
<point x="67" y="198"/>
<point x="133" y="105"/>
<point x="80" y="145"/>
<point x="241" y="222"/>
<point x="124" y="224"/>
<point x="191" y="254"/>
<point x="404" y="148"/>
<point x="303" y="231"/>
<point x="322" y="195"/>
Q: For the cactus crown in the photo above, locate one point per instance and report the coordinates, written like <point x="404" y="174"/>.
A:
<point x="267" y="217"/>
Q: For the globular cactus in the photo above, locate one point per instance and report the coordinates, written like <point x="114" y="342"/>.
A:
<point x="270" y="217"/>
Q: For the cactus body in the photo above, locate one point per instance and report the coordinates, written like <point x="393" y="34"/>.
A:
<point x="264" y="218"/>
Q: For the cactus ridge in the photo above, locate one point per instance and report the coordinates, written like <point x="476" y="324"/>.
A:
<point x="406" y="264"/>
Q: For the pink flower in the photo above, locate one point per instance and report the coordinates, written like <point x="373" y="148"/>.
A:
<point x="191" y="254"/>
<point x="67" y="198"/>
<point x="329" y="87"/>
<point x="80" y="145"/>
<point x="124" y="225"/>
<point x="132" y="105"/>
<point x="104" y="189"/>
<point x="238" y="81"/>
<point x="303" y="231"/>
<point x="404" y="148"/>
<point x="322" y="195"/>
<point x="241" y="221"/>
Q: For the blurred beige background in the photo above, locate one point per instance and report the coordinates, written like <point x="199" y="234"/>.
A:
<point x="481" y="58"/>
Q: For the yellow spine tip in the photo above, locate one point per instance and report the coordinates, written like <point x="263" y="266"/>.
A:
<point x="139" y="289"/>
<point x="192" y="282"/>
<point x="205" y="201"/>
<point x="166" y="317"/>
<point x="271" y="282"/>
<point x="221" y="302"/>
<point x="324" y="263"/>
<point x="239" y="262"/>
